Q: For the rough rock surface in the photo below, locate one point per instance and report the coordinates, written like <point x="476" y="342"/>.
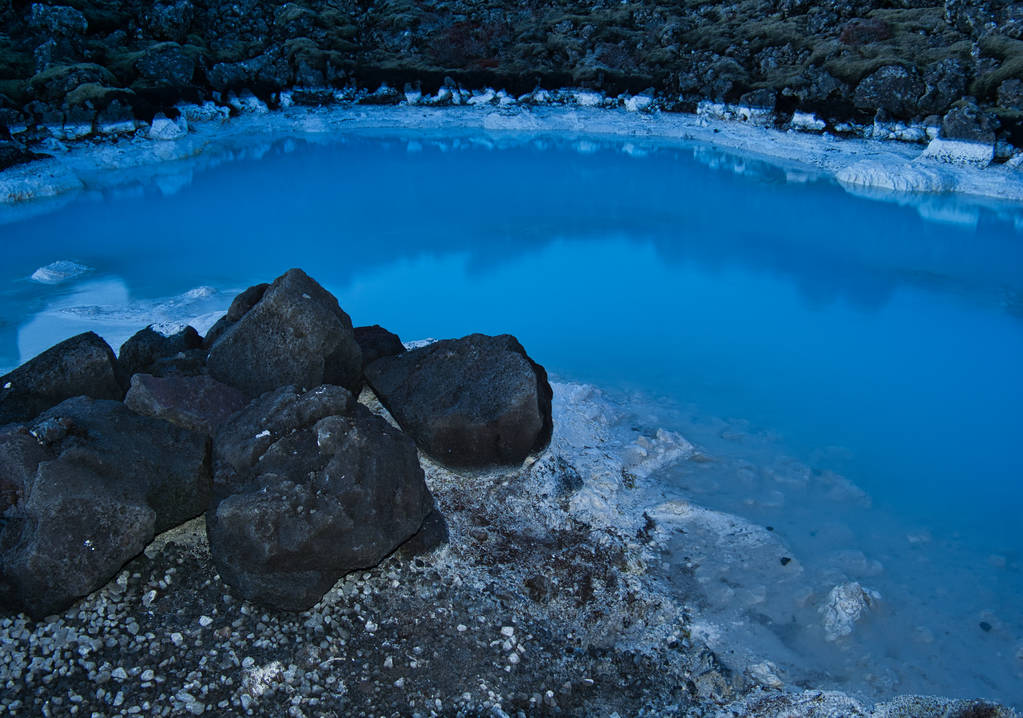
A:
<point x="83" y="365"/>
<point x="198" y="403"/>
<point x="150" y="352"/>
<point x="310" y="486"/>
<point x="96" y="486"/>
<point x="377" y="342"/>
<point x="295" y="333"/>
<point x="474" y="401"/>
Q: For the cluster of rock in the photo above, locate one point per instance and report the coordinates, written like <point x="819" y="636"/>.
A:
<point x="109" y="67"/>
<point x="257" y="425"/>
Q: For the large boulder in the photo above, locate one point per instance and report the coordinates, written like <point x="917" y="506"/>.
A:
<point x="83" y="365"/>
<point x="474" y="401"/>
<point x="199" y="403"/>
<point x="308" y="487"/>
<point x="294" y="334"/>
<point x="151" y="352"/>
<point x="87" y="485"/>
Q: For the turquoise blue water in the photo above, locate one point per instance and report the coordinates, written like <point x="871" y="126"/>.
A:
<point x="855" y="335"/>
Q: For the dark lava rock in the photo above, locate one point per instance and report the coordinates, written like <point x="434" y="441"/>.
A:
<point x="13" y="154"/>
<point x="241" y="304"/>
<point x="309" y="487"/>
<point x="968" y="122"/>
<point x="295" y="334"/>
<point x="99" y="484"/>
<point x="945" y="82"/>
<point x="199" y="403"/>
<point x="83" y="365"/>
<point x="168" y="63"/>
<point x="377" y="342"/>
<point x="892" y="88"/>
<point x="150" y="352"/>
<point x="474" y="401"/>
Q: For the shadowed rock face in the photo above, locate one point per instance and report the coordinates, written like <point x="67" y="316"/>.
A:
<point x="150" y="352"/>
<point x="475" y="401"/>
<point x="83" y="365"/>
<point x="198" y="403"/>
<point x="310" y="486"/>
<point x="377" y="342"/>
<point x="86" y="486"/>
<point x="294" y="334"/>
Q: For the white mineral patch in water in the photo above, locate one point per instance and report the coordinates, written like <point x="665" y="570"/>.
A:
<point x="59" y="271"/>
<point x="106" y="306"/>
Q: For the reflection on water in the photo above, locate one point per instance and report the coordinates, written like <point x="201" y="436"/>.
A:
<point x="868" y="342"/>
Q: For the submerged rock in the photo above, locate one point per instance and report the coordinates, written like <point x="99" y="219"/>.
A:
<point x="83" y="365"/>
<point x="99" y="482"/>
<point x="475" y="401"/>
<point x="294" y="333"/>
<point x="308" y="487"/>
<point x="845" y="605"/>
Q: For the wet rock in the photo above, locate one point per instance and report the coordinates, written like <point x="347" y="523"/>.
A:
<point x="151" y="352"/>
<point x="105" y="481"/>
<point x="166" y="63"/>
<point x="310" y="487"/>
<point x="294" y="334"/>
<point x="474" y="401"/>
<point x="198" y="403"/>
<point x="377" y="342"/>
<point x="82" y="365"/>
<point x="892" y="88"/>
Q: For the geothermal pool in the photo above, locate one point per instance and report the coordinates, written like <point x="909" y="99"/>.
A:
<point x="849" y="368"/>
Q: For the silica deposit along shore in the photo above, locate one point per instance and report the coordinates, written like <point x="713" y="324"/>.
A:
<point x="547" y="597"/>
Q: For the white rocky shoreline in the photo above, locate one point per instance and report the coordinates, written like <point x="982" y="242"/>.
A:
<point x="891" y="162"/>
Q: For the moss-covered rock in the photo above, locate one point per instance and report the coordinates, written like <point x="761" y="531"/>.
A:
<point x="56" y="82"/>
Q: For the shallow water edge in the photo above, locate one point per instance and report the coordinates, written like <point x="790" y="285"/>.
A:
<point x="885" y="170"/>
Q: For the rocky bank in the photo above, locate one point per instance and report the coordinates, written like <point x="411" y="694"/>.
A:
<point x="914" y="70"/>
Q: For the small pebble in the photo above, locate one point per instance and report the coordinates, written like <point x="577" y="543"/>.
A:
<point x="461" y="628"/>
<point x="205" y="621"/>
<point x="119" y="673"/>
<point x="507" y="631"/>
<point x="147" y="675"/>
